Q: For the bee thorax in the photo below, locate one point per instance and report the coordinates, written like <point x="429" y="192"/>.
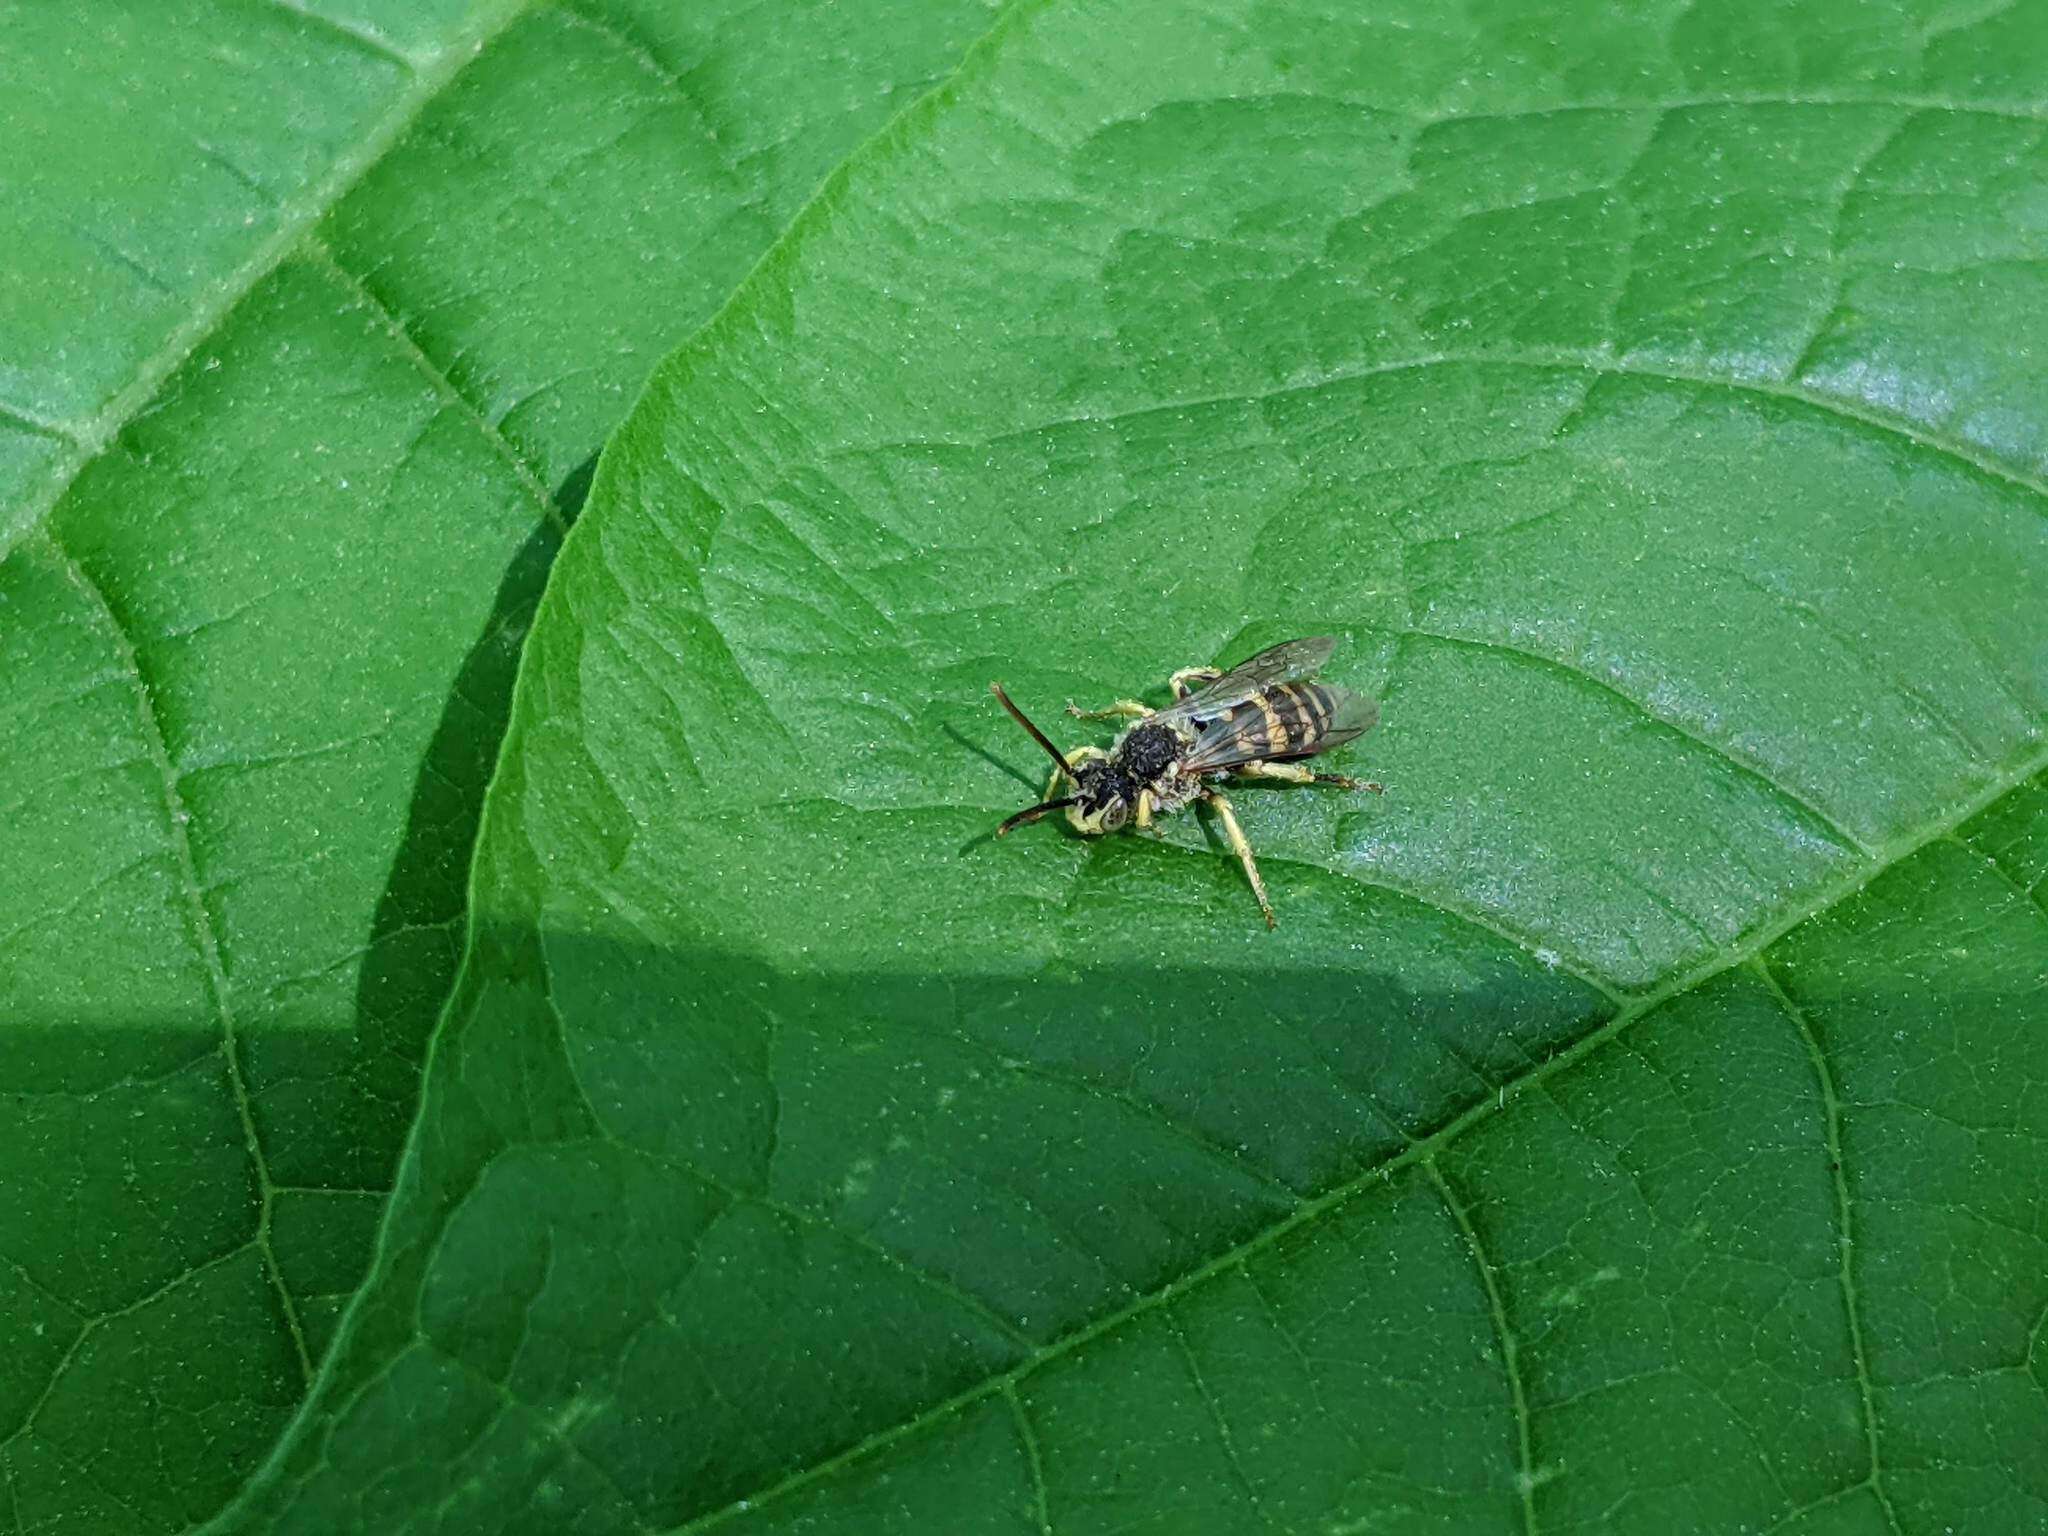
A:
<point x="1147" y="751"/>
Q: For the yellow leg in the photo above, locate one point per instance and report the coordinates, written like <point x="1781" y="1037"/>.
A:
<point x="1243" y="850"/>
<point x="1122" y="707"/>
<point x="1295" y="773"/>
<point x="1144" y="810"/>
<point x="1187" y="679"/>
<point x="1076" y="755"/>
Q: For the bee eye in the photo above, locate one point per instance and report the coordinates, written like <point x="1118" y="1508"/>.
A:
<point x="1114" y="817"/>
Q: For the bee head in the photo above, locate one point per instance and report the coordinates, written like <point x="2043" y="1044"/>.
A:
<point x="1101" y="800"/>
<point x="1102" y="797"/>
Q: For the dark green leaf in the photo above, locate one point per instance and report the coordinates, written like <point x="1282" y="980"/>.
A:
<point x="1636" y="1122"/>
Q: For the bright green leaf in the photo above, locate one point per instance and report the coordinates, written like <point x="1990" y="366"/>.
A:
<point x="1636" y="1122"/>
<point x="312" y="328"/>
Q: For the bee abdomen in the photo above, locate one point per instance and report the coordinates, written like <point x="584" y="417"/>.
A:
<point x="1301" y="715"/>
<point x="1288" y="720"/>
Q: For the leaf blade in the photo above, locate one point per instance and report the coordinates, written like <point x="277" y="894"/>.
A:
<point x="1126" y="304"/>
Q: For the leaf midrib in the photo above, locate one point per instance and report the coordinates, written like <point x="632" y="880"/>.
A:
<point x="1423" y="1150"/>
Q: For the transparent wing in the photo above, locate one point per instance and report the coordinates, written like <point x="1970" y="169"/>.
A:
<point x="1354" y="715"/>
<point x="1288" y="662"/>
<point x="1245" y="737"/>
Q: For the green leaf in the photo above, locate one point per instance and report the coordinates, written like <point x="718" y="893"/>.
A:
<point x="310" y="336"/>
<point x="1636" y="1121"/>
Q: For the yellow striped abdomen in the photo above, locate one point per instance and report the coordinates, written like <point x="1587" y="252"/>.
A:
<point x="1288" y="720"/>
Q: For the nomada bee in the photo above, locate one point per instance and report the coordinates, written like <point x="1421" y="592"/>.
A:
<point x="1260" y="720"/>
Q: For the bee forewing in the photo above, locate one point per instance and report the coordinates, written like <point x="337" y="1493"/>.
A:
<point x="1288" y="662"/>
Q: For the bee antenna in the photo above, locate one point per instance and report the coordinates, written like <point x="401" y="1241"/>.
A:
<point x="1033" y="812"/>
<point x="1036" y="734"/>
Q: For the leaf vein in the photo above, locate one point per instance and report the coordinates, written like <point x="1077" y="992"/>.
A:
<point x="438" y="377"/>
<point x="1223" y="1434"/>
<point x="96" y="433"/>
<point x="1727" y="755"/>
<point x="1932" y="439"/>
<point x="361" y="36"/>
<point x="1233" y="1158"/>
<point x="1510" y="1349"/>
<point x="177" y="819"/>
<point x="1032" y="1458"/>
<point x="1845" y="1230"/>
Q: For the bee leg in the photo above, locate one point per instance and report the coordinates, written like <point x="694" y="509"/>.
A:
<point x="1187" y="679"/>
<point x="1243" y="850"/>
<point x="1341" y="782"/>
<point x="1295" y="773"/>
<point x="1129" y="707"/>
<point x="1144" y="810"/>
<point x="1077" y="755"/>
